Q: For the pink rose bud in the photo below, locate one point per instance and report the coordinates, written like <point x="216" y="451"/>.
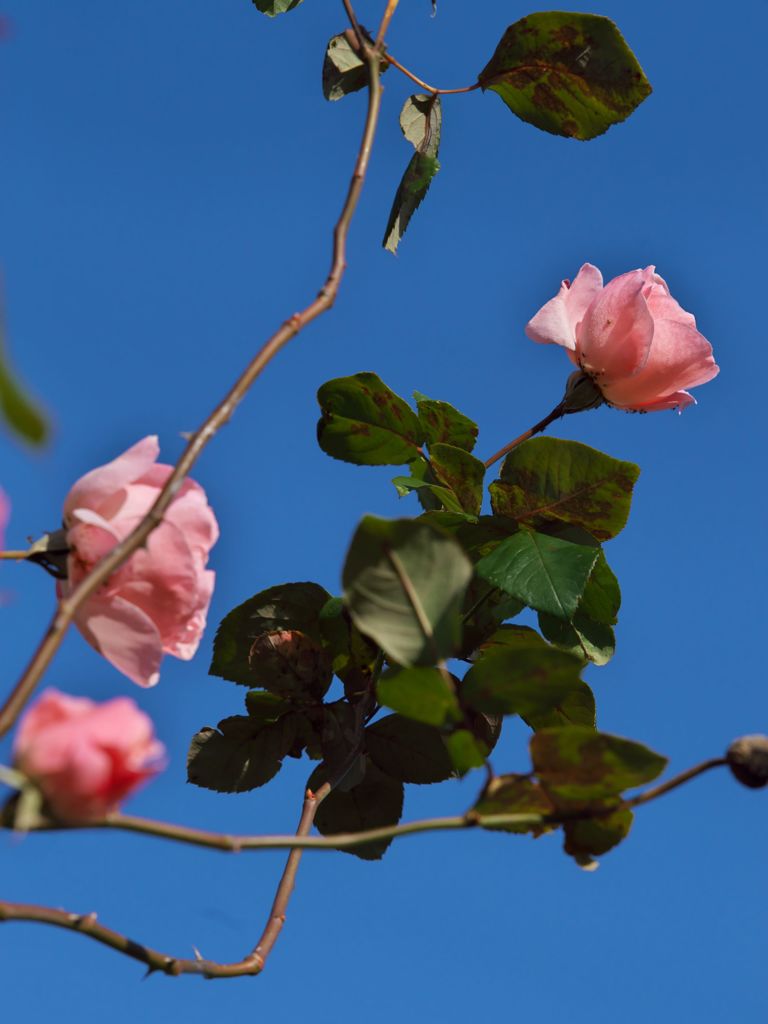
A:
<point x="157" y="602"/>
<point x="85" y="757"/>
<point x="630" y="337"/>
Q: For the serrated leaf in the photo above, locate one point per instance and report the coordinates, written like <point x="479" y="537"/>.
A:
<point x="568" y="74"/>
<point x="275" y="7"/>
<point x="240" y="755"/>
<point x="442" y="424"/>
<point x="291" y="664"/>
<point x="344" y="70"/>
<point x="546" y="573"/>
<point x="578" y="764"/>
<point x="423" y="694"/>
<point x="365" y="422"/>
<point x="515" y="794"/>
<point x="462" y="473"/>
<point x="287" y="606"/>
<point x="525" y="677"/>
<point x="546" y="482"/>
<point x="408" y="751"/>
<point x="404" y="585"/>
<point x="421" y="123"/>
<point x="590" y="631"/>
<point x="377" y="801"/>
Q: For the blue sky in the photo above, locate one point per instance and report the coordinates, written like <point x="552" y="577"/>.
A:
<point x="170" y="174"/>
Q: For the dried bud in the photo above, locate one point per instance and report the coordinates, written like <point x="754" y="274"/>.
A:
<point x="748" y="760"/>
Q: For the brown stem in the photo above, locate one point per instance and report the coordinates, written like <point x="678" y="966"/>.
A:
<point x="386" y="18"/>
<point x="87" y="924"/>
<point x="15" y="556"/>
<point x="424" y="85"/>
<point x="677" y="780"/>
<point x="556" y="413"/>
<point x="68" y="607"/>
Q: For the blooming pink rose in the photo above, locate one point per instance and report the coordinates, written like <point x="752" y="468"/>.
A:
<point x="85" y="757"/>
<point x="631" y="337"/>
<point x="156" y="603"/>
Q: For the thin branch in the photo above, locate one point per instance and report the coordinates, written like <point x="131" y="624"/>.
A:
<point x="556" y="413"/>
<point x="677" y="780"/>
<point x="15" y="556"/>
<point x="424" y="85"/>
<point x="386" y="18"/>
<point x="68" y="607"/>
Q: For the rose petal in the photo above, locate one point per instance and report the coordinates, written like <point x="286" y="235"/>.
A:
<point x="125" y="635"/>
<point x="100" y="489"/>
<point x="557" y="321"/>
<point x="614" y="338"/>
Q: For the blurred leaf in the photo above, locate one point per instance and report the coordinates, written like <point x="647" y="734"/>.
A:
<point x="288" y="606"/>
<point x="344" y="70"/>
<point x="377" y="801"/>
<point x="408" y="751"/>
<point x="366" y="423"/>
<point x="421" y="121"/>
<point x="515" y="794"/>
<point x="291" y="664"/>
<point x="422" y="694"/>
<point x="241" y="755"/>
<point x="591" y="837"/>
<point x="577" y="764"/>
<point x="404" y="585"/>
<point x="524" y="676"/>
<point x="546" y="481"/>
<point x="462" y="473"/>
<point x="568" y="74"/>
<point x="546" y="573"/>
<point x="274" y="7"/>
<point x="17" y="409"/>
<point x="442" y="424"/>
<point x="576" y="708"/>
<point x="465" y="751"/>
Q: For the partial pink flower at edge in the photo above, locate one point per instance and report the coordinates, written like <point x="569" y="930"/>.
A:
<point x="641" y="349"/>
<point x="158" y="601"/>
<point x="86" y="757"/>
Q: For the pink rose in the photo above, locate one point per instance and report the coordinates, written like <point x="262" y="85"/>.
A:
<point x="85" y="757"/>
<point x="631" y="337"/>
<point x="157" y="602"/>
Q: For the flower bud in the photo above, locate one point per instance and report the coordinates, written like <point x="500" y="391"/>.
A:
<point x="748" y="760"/>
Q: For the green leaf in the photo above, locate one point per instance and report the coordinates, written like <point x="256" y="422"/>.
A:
<point x="241" y="755"/>
<point x="523" y="676"/>
<point x="291" y="664"/>
<point x="274" y="7"/>
<point x="421" y="122"/>
<point x="590" y="837"/>
<point x="408" y="751"/>
<point x="515" y="794"/>
<point x="289" y="606"/>
<point x="353" y="655"/>
<point x="404" y="584"/>
<point x="465" y="751"/>
<point x="344" y="71"/>
<point x="432" y="495"/>
<point x="442" y="424"/>
<point x="590" y="632"/>
<point x="462" y="473"/>
<point x="423" y="694"/>
<point x="264" y="708"/>
<point x="366" y="423"/>
<point x="568" y="74"/>
<point x="375" y="802"/>
<point x="546" y="573"/>
<point x="577" y="764"/>
<point x="17" y="409"/>
<point x="576" y="708"/>
<point x="547" y="482"/>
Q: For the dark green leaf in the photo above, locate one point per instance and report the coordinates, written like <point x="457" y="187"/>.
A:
<point x="524" y="676"/>
<point x="291" y="664"/>
<point x="366" y="423"/>
<point x="577" y="764"/>
<point x="353" y="655"/>
<point x="241" y="755"/>
<point x="442" y="424"/>
<point x="421" y="122"/>
<point x="568" y="74"/>
<point x="408" y="751"/>
<point x="544" y="572"/>
<point x="376" y="802"/>
<point x="462" y="473"/>
<point x="264" y="708"/>
<point x="590" y="632"/>
<point x="288" y="606"/>
<point x="546" y="481"/>
<point x="344" y="70"/>
<point x="515" y="794"/>
<point x="590" y="837"/>
<point x="423" y="694"/>
<point x="432" y="495"/>
<point x="273" y="7"/>
<point x="17" y="409"/>
<point x="465" y="751"/>
<point x="404" y="585"/>
<point x="576" y="708"/>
